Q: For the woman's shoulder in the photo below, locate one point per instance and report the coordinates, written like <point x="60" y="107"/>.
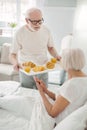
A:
<point x="68" y="82"/>
<point x="75" y="82"/>
<point x="79" y="79"/>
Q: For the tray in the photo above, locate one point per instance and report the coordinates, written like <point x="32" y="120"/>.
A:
<point x="32" y="73"/>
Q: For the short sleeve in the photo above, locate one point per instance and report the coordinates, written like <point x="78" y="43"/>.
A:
<point x="50" y="40"/>
<point x="15" y="44"/>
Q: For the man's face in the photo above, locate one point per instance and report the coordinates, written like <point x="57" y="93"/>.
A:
<point x="35" y="21"/>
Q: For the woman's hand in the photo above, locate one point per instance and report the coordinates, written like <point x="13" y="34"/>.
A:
<point x="40" y="85"/>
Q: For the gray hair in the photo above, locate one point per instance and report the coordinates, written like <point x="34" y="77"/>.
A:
<point x="73" y="59"/>
<point x="31" y="10"/>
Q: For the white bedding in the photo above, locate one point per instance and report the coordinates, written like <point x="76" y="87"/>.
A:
<point x="22" y="109"/>
<point x="9" y="120"/>
<point x="8" y="87"/>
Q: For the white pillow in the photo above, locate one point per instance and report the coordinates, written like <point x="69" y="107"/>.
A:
<point x="5" y="53"/>
<point x="75" y="121"/>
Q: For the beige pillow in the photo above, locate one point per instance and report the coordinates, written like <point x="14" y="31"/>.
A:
<point x="5" y="53"/>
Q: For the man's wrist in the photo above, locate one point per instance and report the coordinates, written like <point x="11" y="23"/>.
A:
<point x="57" y="57"/>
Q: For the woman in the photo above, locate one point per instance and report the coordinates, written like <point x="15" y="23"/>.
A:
<point x="73" y="93"/>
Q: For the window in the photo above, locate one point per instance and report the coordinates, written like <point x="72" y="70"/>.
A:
<point x="24" y="5"/>
<point x="12" y="11"/>
<point x="7" y="10"/>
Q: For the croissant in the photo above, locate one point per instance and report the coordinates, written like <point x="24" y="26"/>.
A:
<point x="53" y="60"/>
<point x="27" y="69"/>
<point x="50" y="65"/>
<point x="38" y="68"/>
<point x="31" y="64"/>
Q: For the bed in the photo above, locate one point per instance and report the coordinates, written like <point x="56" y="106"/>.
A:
<point x="16" y="106"/>
<point x="22" y="109"/>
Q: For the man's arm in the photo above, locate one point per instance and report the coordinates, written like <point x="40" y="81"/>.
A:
<point x="13" y="58"/>
<point x="54" y="53"/>
<point x="14" y="61"/>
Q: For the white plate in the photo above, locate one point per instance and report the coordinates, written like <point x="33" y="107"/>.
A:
<point x="31" y="73"/>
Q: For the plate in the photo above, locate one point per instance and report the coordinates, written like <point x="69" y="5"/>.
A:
<point x="32" y="73"/>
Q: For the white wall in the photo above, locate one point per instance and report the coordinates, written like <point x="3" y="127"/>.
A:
<point x="80" y="28"/>
<point x="60" y="21"/>
<point x="63" y="3"/>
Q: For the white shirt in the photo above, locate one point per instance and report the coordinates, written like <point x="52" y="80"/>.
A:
<point x="75" y="91"/>
<point x="32" y="46"/>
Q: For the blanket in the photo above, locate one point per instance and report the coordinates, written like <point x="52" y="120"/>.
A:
<point x="40" y="120"/>
<point x="8" y="87"/>
<point x="9" y="121"/>
<point x="21" y="108"/>
<point x="24" y="111"/>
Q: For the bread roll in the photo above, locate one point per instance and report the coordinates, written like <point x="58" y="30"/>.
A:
<point x="50" y="65"/>
<point x="31" y="64"/>
<point x="27" y="69"/>
<point x="38" y="68"/>
<point x="53" y="60"/>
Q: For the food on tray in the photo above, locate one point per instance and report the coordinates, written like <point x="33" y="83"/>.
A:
<point x="31" y="67"/>
<point x="27" y="69"/>
<point x="53" y="60"/>
<point x="50" y="65"/>
<point x="31" y="64"/>
<point x="38" y="68"/>
<point x="25" y="64"/>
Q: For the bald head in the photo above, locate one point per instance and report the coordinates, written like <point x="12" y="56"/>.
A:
<point x="33" y="13"/>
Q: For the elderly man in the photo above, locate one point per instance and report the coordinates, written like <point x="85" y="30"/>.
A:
<point x="31" y="43"/>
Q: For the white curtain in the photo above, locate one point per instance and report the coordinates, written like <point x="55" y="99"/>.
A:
<point x="14" y="10"/>
<point x="7" y="10"/>
<point x="80" y="27"/>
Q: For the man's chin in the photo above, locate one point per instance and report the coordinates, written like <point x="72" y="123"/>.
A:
<point x="36" y="28"/>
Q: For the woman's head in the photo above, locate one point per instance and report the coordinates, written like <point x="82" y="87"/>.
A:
<point x="73" y="59"/>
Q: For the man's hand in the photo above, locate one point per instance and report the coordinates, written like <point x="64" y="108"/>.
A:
<point x="17" y="66"/>
<point x="54" y="53"/>
<point x="58" y="58"/>
<point x="14" y="61"/>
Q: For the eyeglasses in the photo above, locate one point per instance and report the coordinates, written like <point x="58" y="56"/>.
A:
<point x="34" y="22"/>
